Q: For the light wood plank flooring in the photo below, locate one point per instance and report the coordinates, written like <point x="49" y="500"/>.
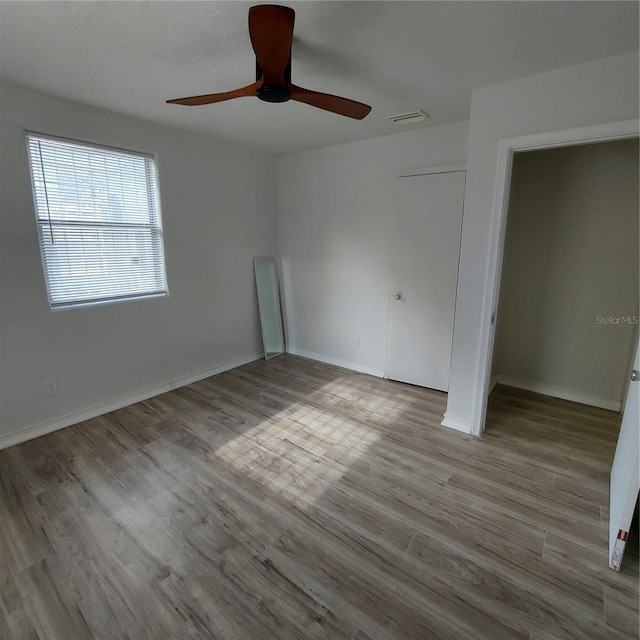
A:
<point x="290" y="499"/>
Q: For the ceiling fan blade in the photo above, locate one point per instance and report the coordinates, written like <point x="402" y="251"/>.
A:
<point x="210" y="98"/>
<point x="271" y="33"/>
<point x="326" y="101"/>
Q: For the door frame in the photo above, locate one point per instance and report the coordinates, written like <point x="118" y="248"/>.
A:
<point x="441" y="168"/>
<point x="410" y="173"/>
<point x="507" y="147"/>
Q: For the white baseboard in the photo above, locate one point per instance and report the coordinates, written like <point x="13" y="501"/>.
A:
<point x="41" y="429"/>
<point x="492" y="384"/>
<point x="338" y="362"/>
<point x="556" y="392"/>
<point x="454" y="423"/>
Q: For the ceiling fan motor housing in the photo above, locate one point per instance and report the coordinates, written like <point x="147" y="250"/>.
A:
<point x="274" y="92"/>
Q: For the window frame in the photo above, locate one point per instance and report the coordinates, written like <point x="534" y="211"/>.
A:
<point x="153" y="194"/>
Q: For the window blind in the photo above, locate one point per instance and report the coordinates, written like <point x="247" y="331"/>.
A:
<point x="99" y="223"/>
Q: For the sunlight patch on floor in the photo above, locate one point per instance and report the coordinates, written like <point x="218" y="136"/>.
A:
<point x="301" y="450"/>
<point x="382" y="403"/>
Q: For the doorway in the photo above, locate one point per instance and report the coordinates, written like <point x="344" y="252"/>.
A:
<point x="567" y="321"/>
<point x="507" y="148"/>
<point x="567" y="314"/>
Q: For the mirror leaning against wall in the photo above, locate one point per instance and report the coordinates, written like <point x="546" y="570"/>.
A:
<point x="269" y="305"/>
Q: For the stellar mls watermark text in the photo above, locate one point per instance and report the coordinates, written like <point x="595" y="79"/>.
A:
<point x="616" y="319"/>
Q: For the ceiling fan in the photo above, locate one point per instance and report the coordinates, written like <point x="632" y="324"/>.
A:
<point x="271" y="33"/>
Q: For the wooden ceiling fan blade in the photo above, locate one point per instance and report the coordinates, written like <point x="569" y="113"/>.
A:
<point x="271" y="33"/>
<point x="326" y="101"/>
<point x="210" y="98"/>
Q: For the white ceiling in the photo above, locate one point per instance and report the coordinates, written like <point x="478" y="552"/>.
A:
<point x="130" y="57"/>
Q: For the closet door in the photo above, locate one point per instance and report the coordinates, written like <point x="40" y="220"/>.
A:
<point x="425" y="255"/>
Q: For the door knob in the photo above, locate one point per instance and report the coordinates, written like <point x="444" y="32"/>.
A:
<point x="398" y="296"/>
<point x="635" y="375"/>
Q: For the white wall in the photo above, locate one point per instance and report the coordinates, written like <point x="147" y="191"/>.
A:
<point x="334" y="220"/>
<point x="570" y="264"/>
<point x="218" y="209"/>
<point x="218" y="202"/>
<point x="595" y="92"/>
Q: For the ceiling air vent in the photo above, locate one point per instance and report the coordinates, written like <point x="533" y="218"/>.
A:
<point x="406" y="118"/>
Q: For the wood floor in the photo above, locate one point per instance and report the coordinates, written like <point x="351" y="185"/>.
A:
<point x="290" y="499"/>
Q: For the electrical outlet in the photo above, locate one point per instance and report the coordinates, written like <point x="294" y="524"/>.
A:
<point x="356" y="341"/>
<point x="51" y="387"/>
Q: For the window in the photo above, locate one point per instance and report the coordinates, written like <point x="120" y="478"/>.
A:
<point x="99" y="224"/>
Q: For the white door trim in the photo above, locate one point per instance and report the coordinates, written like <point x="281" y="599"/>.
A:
<point x="506" y="148"/>
<point x="441" y="168"/>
